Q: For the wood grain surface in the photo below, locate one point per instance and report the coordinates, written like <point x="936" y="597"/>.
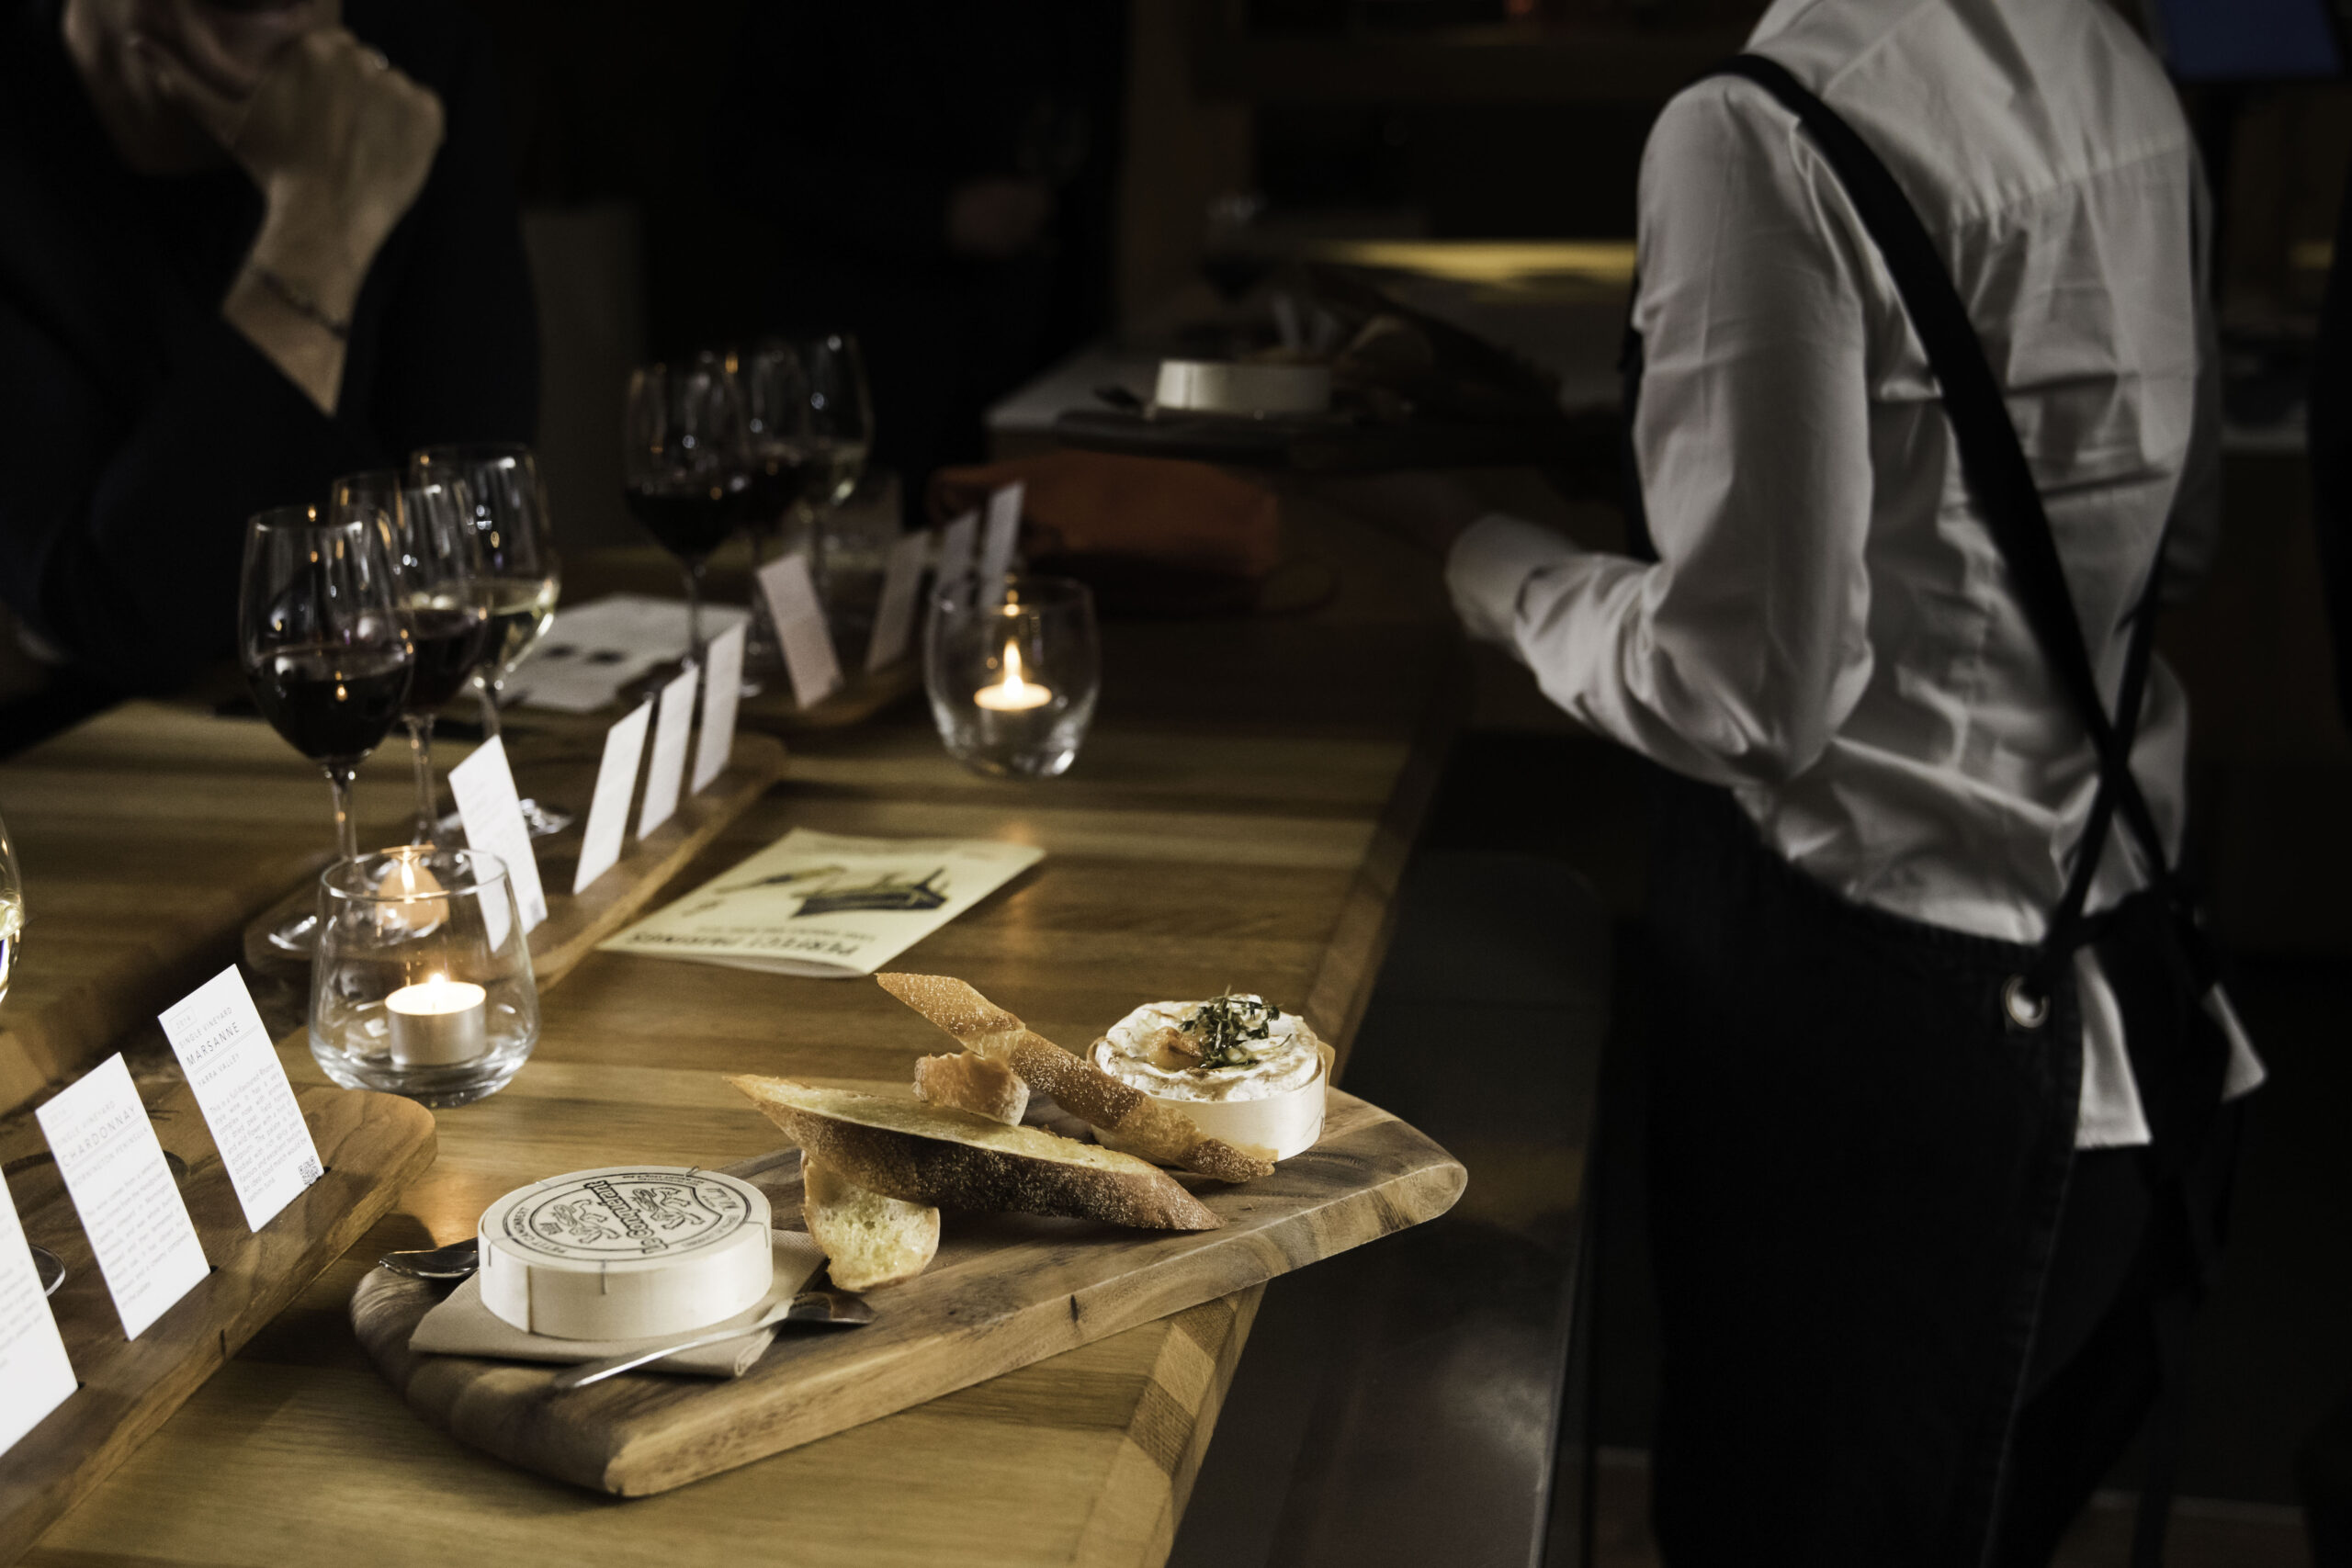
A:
<point x="1005" y="1290"/>
<point x="371" y="1145"/>
<point x="1232" y="820"/>
<point x="151" y="834"/>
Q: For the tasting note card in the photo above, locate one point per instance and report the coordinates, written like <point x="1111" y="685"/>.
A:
<point x="894" y="615"/>
<point x="800" y="628"/>
<point x="721" y="690"/>
<point x="600" y="842"/>
<point x="956" y="542"/>
<point x="114" y="1170"/>
<point x="997" y="544"/>
<point x="34" y="1373"/>
<point x="821" y="905"/>
<point x="241" y="1087"/>
<point x="484" y="786"/>
<point x="675" y="723"/>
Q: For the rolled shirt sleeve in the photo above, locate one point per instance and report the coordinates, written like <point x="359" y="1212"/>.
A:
<point x="1736" y="657"/>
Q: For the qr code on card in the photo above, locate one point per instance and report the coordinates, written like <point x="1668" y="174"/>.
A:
<point x="310" y="1171"/>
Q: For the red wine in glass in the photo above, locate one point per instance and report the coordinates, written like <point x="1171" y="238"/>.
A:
<point x="334" y="705"/>
<point x="449" y="641"/>
<point x="692" y="517"/>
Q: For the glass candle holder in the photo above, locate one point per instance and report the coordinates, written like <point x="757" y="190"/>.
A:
<point x="421" y="982"/>
<point x="1013" y="666"/>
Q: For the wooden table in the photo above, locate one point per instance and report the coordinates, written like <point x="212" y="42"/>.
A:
<point x="1240" y="817"/>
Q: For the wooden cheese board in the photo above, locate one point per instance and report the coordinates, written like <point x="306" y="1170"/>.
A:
<point x="1005" y="1291"/>
<point x="371" y="1144"/>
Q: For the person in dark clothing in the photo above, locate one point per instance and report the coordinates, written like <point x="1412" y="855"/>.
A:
<point x="250" y="245"/>
<point x="2329" y="436"/>
<point x="943" y="175"/>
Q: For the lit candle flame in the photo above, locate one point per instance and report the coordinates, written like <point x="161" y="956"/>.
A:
<point x="1014" y="695"/>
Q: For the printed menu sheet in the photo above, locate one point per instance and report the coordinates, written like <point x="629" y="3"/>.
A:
<point x="114" y="1170"/>
<point x="35" y="1376"/>
<point x="826" y="906"/>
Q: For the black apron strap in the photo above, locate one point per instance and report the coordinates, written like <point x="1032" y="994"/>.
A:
<point x="2001" y="480"/>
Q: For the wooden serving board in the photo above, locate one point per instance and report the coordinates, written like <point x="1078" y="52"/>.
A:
<point x="1005" y="1291"/>
<point x="371" y="1144"/>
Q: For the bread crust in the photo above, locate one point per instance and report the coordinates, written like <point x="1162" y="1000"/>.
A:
<point x="969" y="1081"/>
<point x="958" y="1160"/>
<point x="1081" y="1087"/>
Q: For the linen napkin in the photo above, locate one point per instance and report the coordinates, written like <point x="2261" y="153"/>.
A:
<point x="461" y="1326"/>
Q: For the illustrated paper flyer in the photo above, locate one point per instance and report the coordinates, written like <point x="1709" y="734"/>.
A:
<point x="826" y="906"/>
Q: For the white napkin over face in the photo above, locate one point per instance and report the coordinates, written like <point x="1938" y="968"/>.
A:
<point x="461" y="1326"/>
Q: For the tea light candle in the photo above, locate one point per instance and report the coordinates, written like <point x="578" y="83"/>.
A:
<point x="1014" y="695"/>
<point x="437" y="1023"/>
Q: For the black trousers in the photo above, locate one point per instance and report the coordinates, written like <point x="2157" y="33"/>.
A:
<point x="1902" y="1321"/>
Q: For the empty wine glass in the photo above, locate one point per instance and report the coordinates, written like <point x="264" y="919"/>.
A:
<point x="775" y="422"/>
<point x="687" y="466"/>
<point x="324" y="653"/>
<point x="520" y="574"/>
<point x="435" y="556"/>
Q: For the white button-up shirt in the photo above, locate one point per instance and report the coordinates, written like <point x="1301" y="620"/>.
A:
<point x="1830" y="629"/>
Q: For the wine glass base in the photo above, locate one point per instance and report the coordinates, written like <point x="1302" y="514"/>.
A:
<point x="286" y="932"/>
<point x="50" y="1267"/>
<point x="542" y="820"/>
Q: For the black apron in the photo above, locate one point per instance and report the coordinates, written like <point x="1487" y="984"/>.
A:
<point x="1862" y="1125"/>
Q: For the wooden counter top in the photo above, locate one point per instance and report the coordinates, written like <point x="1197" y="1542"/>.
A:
<point x="1238" y="817"/>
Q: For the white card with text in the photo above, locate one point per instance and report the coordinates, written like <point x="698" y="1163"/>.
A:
<point x="998" y="543"/>
<point x="484" y="786"/>
<point x="33" y="1367"/>
<point x="956" y="540"/>
<point x="114" y="1170"/>
<point x="239" y="1085"/>
<point x="600" y="841"/>
<point x="670" y="726"/>
<point x="720" y="693"/>
<point x="894" y="613"/>
<point x="800" y="631"/>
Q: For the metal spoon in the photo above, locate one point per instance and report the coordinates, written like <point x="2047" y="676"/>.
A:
<point x="816" y="1309"/>
<point x="456" y="1261"/>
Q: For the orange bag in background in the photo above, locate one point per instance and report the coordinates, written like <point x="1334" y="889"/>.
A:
<point x="1148" y="534"/>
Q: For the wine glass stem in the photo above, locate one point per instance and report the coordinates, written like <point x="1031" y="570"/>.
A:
<point x="420" y="749"/>
<point x="694" y="612"/>
<point x="346" y="832"/>
<point x="486" y="690"/>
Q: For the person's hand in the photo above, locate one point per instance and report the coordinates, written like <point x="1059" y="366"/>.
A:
<point x="338" y="140"/>
<point x="997" y="217"/>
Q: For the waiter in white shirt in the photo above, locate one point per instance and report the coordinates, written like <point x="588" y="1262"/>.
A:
<point x="1925" y="1242"/>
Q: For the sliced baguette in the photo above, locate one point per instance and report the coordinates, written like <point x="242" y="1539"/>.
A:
<point x="870" y="1241"/>
<point x="1081" y="1087"/>
<point x="954" y="1159"/>
<point x="969" y="1081"/>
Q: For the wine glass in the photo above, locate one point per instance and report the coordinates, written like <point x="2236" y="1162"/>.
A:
<point x="324" y="653"/>
<point x="435" y="558"/>
<point x="685" y="463"/>
<point x="775" y="421"/>
<point x="840" y="435"/>
<point x="520" y="575"/>
<point x="46" y="1264"/>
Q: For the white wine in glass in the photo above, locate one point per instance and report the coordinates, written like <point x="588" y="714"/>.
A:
<point x="520" y="570"/>
<point x="12" y="911"/>
<point x="521" y="610"/>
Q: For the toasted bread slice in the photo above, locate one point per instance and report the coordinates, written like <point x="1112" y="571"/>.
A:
<point x="969" y="1081"/>
<point x="953" y="1159"/>
<point x="1081" y="1087"/>
<point x="870" y="1241"/>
